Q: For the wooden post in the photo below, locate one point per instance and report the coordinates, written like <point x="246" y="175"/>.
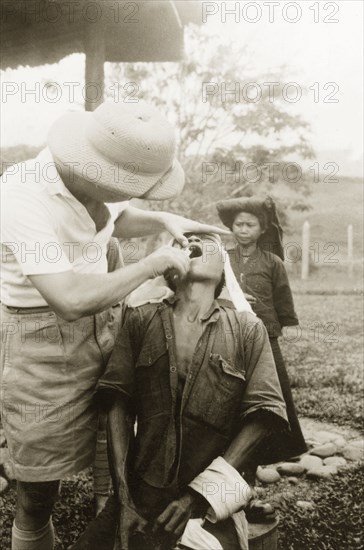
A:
<point x="350" y="251"/>
<point x="94" y="71"/>
<point x="305" y="266"/>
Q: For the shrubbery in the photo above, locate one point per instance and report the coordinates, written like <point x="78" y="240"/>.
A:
<point x="337" y="521"/>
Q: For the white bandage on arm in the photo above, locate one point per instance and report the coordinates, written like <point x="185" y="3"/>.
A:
<point x="224" y="489"/>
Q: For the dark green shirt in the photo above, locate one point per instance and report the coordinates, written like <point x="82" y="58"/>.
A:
<point x="232" y="375"/>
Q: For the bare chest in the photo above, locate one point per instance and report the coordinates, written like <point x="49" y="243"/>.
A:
<point x="187" y="336"/>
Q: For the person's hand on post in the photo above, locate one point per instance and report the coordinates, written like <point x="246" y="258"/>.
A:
<point x="177" y="226"/>
<point x="174" y="518"/>
<point x="164" y="259"/>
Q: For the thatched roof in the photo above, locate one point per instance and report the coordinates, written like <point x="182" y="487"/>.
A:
<point x="36" y="32"/>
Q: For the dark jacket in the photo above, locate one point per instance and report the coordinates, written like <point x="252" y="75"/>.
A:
<point x="264" y="276"/>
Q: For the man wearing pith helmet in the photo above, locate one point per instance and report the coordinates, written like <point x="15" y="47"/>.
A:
<point x="60" y="211"/>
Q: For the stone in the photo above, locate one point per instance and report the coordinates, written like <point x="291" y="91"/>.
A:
<point x="292" y="480"/>
<point x="268" y="475"/>
<point x="340" y="442"/>
<point x="323" y="451"/>
<point x="323" y="436"/>
<point x="9" y="470"/>
<point x="332" y="468"/>
<point x="309" y="461"/>
<point x="290" y="469"/>
<point x="3" y="485"/>
<point x="321" y="472"/>
<point x="357" y="443"/>
<point x="305" y="505"/>
<point x="337" y="461"/>
<point x="4" y="455"/>
<point x="351" y="452"/>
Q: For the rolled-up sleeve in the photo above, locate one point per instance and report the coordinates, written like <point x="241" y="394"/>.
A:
<point x="263" y="391"/>
<point x="119" y="376"/>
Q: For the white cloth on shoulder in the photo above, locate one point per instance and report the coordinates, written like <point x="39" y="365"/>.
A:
<point x="156" y="290"/>
<point x="233" y="290"/>
<point x="152" y="291"/>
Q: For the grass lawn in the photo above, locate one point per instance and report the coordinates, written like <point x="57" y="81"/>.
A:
<point x="325" y="358"/>
<point x="325" y="366"/>
<point x="336" y="522"/>
<point x="324" y="362"/>
<point x="332" y="208"/>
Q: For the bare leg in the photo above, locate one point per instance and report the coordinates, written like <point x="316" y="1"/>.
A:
<point x="32" y="528"/>
<point x="35" y="503"/>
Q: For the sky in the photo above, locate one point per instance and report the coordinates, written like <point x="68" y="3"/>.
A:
<point x="323" y="56"/>
<point x="312" y="52"/>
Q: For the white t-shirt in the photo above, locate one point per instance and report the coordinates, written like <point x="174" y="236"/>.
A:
<point x="45" y="229"/>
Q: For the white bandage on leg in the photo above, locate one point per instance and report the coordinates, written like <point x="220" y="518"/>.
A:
<point x="42" y="539"/>
<point x="195" y="537"/>
<point x="224" y="489"/>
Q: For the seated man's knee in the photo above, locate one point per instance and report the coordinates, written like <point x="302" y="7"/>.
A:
<point x="37" y="499"/>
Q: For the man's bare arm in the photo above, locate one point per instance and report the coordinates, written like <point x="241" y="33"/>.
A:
<point x="134" y="222"/>
<point x="119" y="428"/>
<point x="241" y="451"/>
<point x="74" y="295"/>
<point x="119" y="431"/>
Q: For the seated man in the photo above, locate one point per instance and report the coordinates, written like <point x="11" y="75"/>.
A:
<point x="200" y="381"/>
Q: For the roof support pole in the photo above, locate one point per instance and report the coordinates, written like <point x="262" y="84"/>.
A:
<point x="94" y="70"/>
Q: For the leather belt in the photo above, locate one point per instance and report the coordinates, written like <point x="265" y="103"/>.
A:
<point x="14" y="309"/>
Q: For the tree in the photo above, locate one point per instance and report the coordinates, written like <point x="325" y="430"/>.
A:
<point x="236" y="132"/>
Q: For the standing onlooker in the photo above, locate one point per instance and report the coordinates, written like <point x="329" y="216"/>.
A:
<point x="256" y="260"/>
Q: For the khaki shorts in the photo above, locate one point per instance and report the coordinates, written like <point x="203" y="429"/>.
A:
<point x="49" y="370"/>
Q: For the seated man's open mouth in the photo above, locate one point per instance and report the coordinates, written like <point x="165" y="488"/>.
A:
<point x="195" y="250"/>
<point x="196" y="243"/>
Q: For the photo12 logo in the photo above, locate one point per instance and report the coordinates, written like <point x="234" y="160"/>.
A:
<point x="270" y="12"/>
<point x="71" y="92"/>
<point x="255" y="92"/>
<point x="252" y="172"/>
<point x="39" y="11"/>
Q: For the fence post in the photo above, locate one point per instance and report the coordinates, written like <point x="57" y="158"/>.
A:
<point x="350" y="251"/>
<point x="305" y="250"/>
